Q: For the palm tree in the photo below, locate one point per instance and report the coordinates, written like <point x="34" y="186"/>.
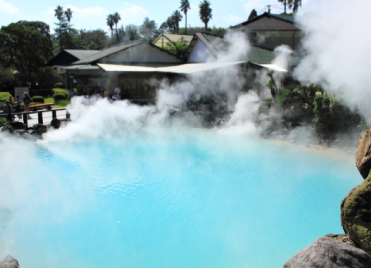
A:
<point x="294" y="4"/>
<point x="110" y="23"/>
<point x="116" y="19"/>
<point x="205" y="13"/>
<point x="184" y="6"/>
<point x="59" y="12"/>
<point x="68" y="14"/>
<point x="177" y="17"/>
<point x="284" y="2"/>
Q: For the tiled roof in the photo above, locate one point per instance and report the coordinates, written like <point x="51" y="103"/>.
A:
<point x="256" y="54"/>
<point x="269" y="22"/>
<point x="104" y="53"/>
<point x="81" y="54"/>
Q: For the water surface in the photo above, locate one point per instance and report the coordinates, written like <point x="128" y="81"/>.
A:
<point x="173" y="199"/>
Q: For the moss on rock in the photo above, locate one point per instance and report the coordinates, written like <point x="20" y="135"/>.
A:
<point x="356" y="214"/>
<point x="363" y="154"/>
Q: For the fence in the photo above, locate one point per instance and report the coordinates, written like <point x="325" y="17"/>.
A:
<point x="40" y="116"/>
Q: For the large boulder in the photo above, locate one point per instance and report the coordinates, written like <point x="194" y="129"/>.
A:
<point x="329" y="253"/>
<point x="9" y="262"/>
<point x="363" y="154"/>
<point x="356" y="215"/>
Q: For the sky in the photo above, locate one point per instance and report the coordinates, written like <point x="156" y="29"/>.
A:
<point x="92" y="14"/>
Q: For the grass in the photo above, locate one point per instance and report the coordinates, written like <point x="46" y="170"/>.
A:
<point x="59" y="104"/>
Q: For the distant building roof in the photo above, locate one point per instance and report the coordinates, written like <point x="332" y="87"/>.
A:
<point x="163" y="38"/>
<point x="255" y="54"/>
<point x="269" y="22"/>
<point x="68" y="56"/>
<point x="82" y="54"/>
<point x="109" y="51"/>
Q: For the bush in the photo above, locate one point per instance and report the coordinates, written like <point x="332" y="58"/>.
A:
<point x="58" y="97"/>
<point x="4" y="96"/>
<point x="59" y="85"/>
<point x="60" y="91"/>
<point x="38" y="99"/>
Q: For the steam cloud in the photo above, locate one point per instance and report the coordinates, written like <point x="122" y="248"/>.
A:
<point x="338" y="51"/>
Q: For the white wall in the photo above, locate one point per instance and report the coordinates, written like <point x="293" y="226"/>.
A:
<point x="200" y="53"/>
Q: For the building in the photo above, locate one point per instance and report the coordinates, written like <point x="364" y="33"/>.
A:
<point x="270" y="30"/>
<point x="165" y="38"/>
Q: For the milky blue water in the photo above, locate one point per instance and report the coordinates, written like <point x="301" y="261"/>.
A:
<point x="175" y="199"/>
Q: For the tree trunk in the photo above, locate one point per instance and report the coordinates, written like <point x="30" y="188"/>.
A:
<point x="205" y="27"/>
<point x="186" y="24"/>
<point x="284" y="4"/>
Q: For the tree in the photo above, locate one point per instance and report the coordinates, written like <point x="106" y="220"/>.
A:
<point x="253" y="14"/>
<point x="294" y="4"/>
<point x="26" y="45"/>
<point x="63" y="31"/>
<point x="177" y="48"/>
<point x="284" y="2"/>
<point x="110" y="23"/>
<point x="171" y="24"/>
<point x="205" y="13"/>
<point x="148" y="29"/>
<point x="97" y="37"/>
<point x="68" y="14"/>
<point x="116" y="19"/>
<point x="185" y="6"/>
<point x="176" y="17"/>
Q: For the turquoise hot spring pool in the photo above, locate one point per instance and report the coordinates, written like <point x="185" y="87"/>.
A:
<point x="182" y="198"/>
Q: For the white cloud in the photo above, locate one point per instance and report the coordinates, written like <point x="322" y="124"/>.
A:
<point x="234" y="18"/>
<point x="78" y="12"/>
<point x="193" y="10"/>
<point x="8" y="8"/>
<point x="133" y="11"/>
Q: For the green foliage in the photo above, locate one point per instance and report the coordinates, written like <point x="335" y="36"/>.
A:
<point x="292" y="4"/>
<point x="38" y="99"/>
<point x="3" y="122"/>
<point x="94" y="39"/>
<point x="272" y="84"/>
<point x="60" y="91"/>
<point x="4" y="96"/>
<point x="25" y="45"/>
<point x="148" y="29"/>
<point x="59" y="97"/>
<point x="177" y="48"/>
<point x="205" y="12"/>
<point x="253" y="14"/>
<point x="6" y="75"/>
<point x="59" y="85"/>
<point x="184" y="7"/>
<point x="332" y="116"/>
<point x="62" y="103"/>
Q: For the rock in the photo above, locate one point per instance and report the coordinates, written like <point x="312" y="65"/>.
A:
<point x="363" y="154"/>
<point x="329" y="253"/>
<point x="39" y="129"/>
<point x="9" y="262"/>
<point x="55" y="123"/>
<point x="356" y="215"/>
<point x="17" y="125"/>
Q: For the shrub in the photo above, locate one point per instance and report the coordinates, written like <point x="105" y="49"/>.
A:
<point x="59" y="85"/>
<point x="58" y="97"/>
<point x="38" y="99"/>
<point x="4" y="96"/>
<point x="60" y="91"/>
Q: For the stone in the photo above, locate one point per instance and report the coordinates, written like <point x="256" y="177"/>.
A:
<point x="55" y="123"/>
<point x="363" y="154"/>
<point x="9" y="262"/>
<point x="329" y="253"/>
<point x="17" y="125"/>
<point x="39" y="129"/>
<point x="356" y="215"/>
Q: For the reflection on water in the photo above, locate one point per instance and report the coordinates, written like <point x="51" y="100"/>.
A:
<point x="174" y="199"/>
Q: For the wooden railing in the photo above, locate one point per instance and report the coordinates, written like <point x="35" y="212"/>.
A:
<point x="39" y="115"/>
